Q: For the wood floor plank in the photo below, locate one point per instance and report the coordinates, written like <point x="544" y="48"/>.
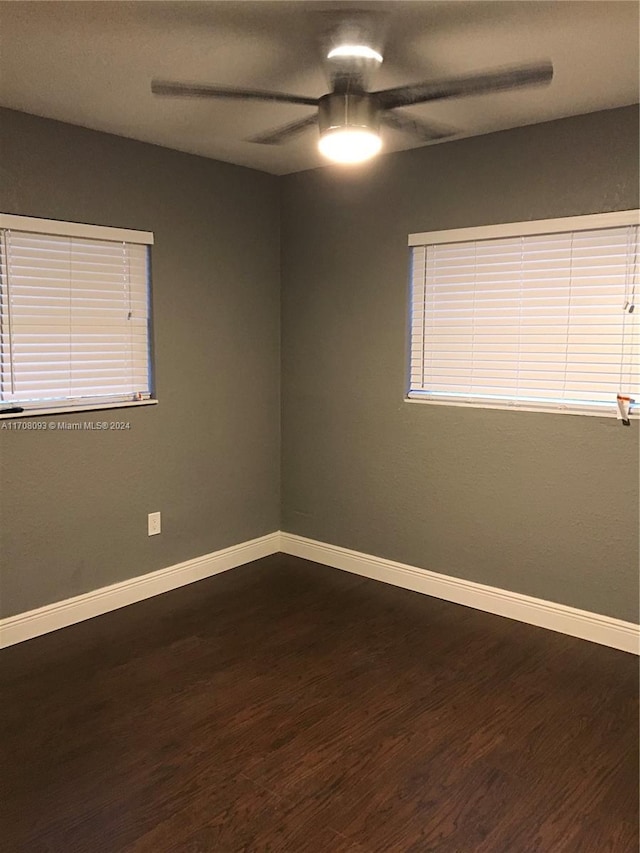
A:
<point x="285" y="706"/>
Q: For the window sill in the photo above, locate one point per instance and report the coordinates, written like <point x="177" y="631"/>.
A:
<point x="512" y="407"/>
<point x="66" y="410"/>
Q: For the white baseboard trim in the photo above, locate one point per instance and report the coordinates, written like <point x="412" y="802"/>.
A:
<point x="24" y="626"/>
<point x="594" y="627"/>
<point x="535" y="611"/>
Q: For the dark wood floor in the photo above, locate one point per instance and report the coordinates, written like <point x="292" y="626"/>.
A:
<point x="285" y="706"/>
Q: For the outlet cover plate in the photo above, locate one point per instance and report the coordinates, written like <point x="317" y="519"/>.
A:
<point x="154" y="524"/>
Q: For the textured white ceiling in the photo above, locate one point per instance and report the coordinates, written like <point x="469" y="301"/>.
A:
<point x="91" y="63"/>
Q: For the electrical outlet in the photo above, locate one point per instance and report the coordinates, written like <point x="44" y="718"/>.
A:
<point x="153" y="521"/>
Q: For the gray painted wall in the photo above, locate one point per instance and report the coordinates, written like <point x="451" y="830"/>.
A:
<point x="73" y="505"/>
<point x="542" y="504"/>
<point x="537" y="503"/>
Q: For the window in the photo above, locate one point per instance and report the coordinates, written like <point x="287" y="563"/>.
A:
<point x="532" y="315"/>
<point x="74" y="316"/>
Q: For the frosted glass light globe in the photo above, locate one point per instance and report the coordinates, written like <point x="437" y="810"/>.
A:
<point x="349" y="144"/>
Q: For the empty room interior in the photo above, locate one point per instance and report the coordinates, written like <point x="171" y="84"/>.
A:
<point x="319" y="399"/>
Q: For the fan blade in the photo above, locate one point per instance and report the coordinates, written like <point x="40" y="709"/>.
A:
<point x="426" y="131"/>
<point x="456" y="87"/>
<point x="189" y="90"/>
<point x="285" y="133"/>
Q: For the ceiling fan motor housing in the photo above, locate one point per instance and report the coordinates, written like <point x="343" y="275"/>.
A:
<point x="352" y="111"/>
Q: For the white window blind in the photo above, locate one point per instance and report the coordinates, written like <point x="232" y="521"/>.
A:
<point x="74" y="315"/>
<point x="541" y="321"/>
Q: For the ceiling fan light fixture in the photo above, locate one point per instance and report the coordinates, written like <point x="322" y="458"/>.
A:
<point x="348" y="127"/>
<point x="354" y="51"/>
<point x="349" y="144"/>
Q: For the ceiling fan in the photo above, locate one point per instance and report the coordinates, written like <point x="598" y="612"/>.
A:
<point x="349" y="116"/>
